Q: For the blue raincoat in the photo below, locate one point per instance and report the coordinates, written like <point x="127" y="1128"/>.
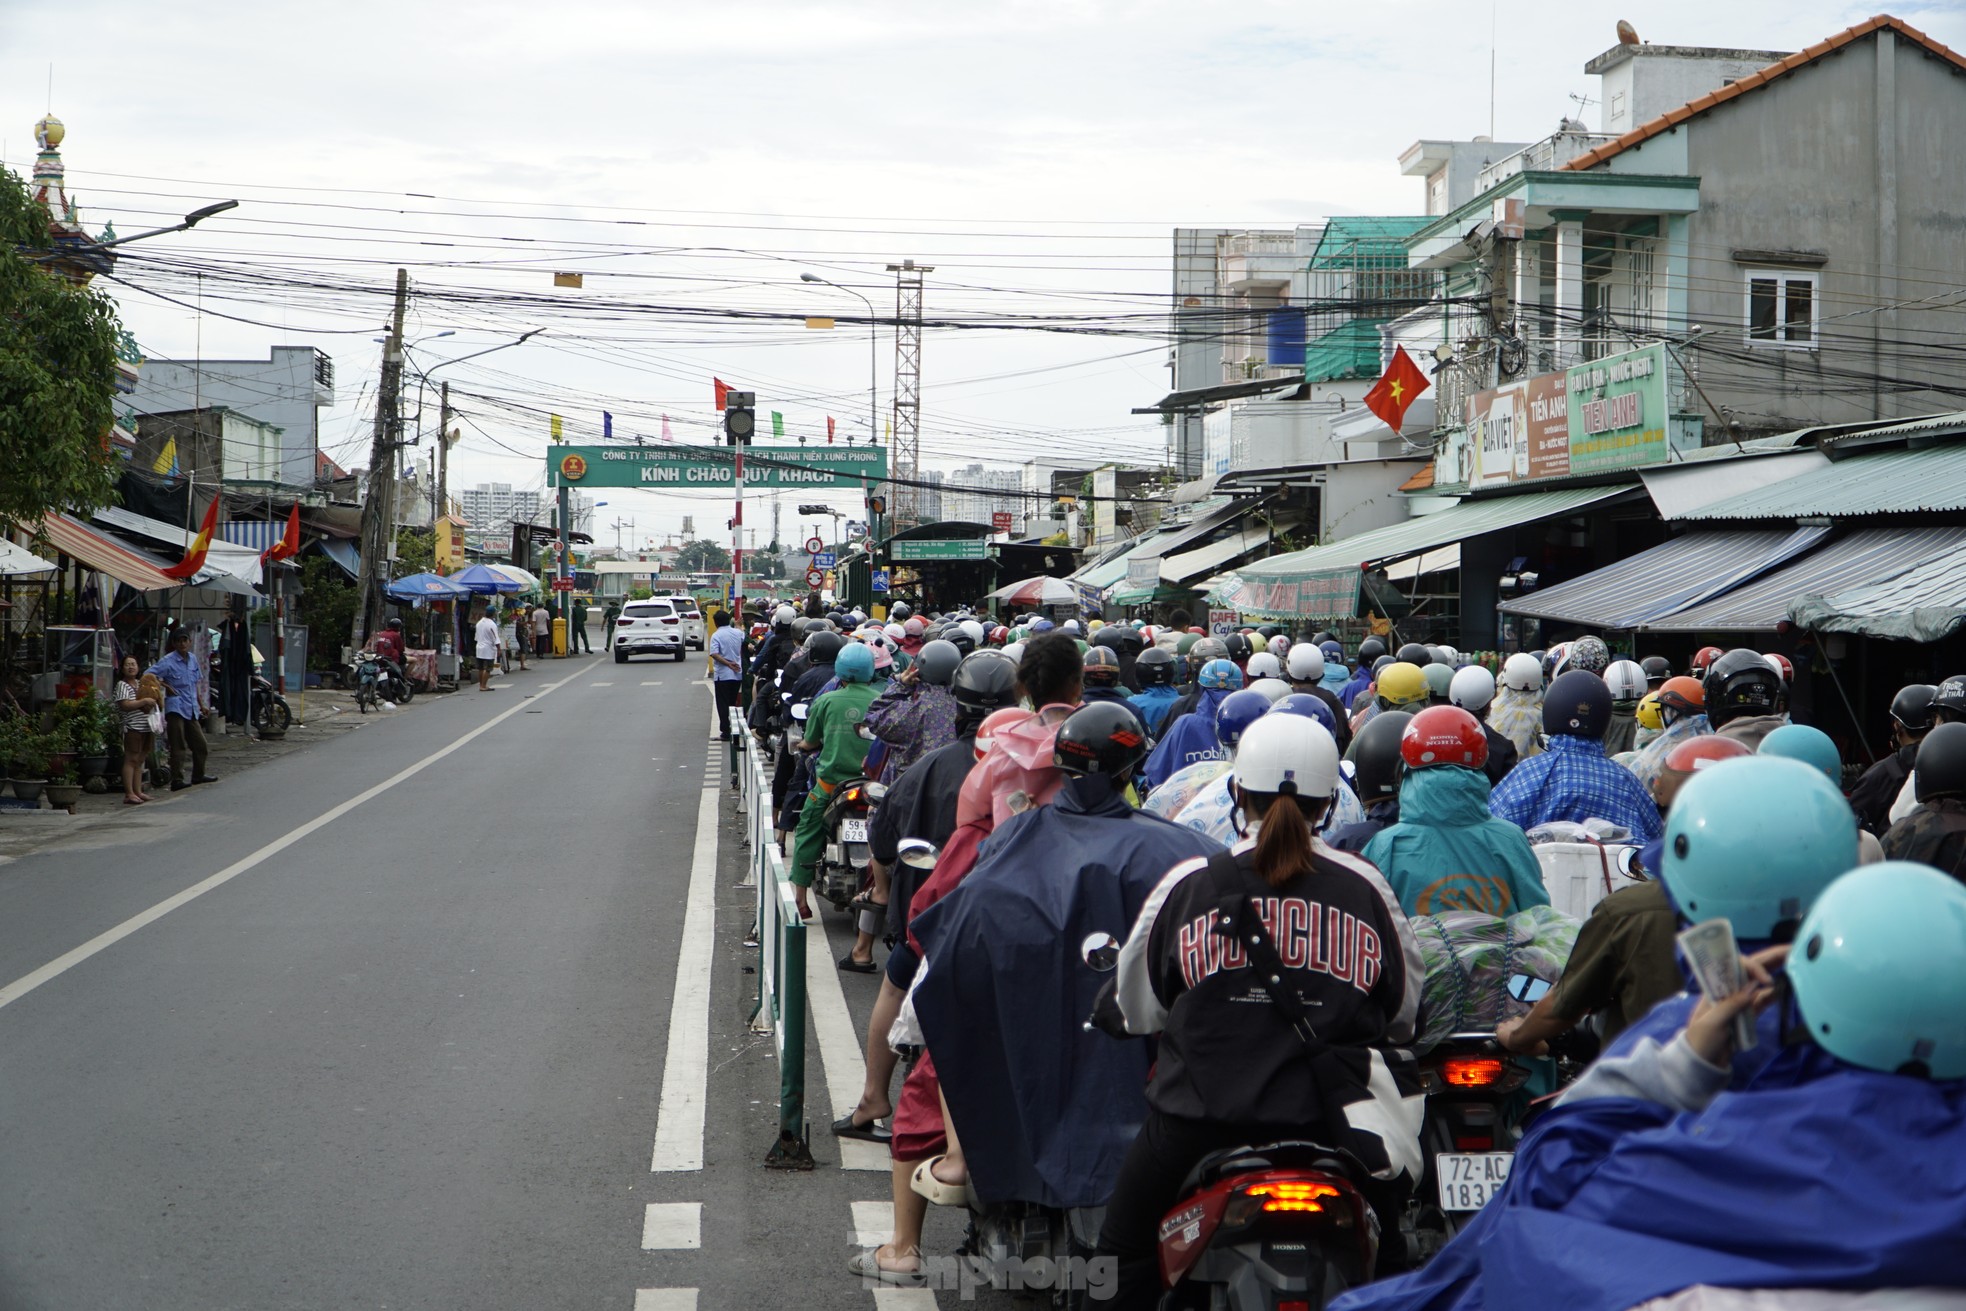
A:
<point x="1152" y="704"/>
<point x="1336" y="678"/>
<point x="1192" y="738"/>
<point x="1047" y="1110"/>
<point x="1448" y="853"/>
<point x="1354" y="685"/>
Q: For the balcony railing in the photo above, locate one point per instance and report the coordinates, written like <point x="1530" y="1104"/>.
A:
<point x="1258" y="243"/>
<point x="1552" y="152"/>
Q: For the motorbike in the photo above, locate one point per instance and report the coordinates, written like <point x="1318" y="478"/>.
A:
<point x="377" y="681"/>
<point x="843" y="869"/>
<point x="271" y="715"/>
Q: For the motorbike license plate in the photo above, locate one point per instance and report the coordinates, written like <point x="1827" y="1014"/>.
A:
<point x="1469" y="1179"/>
<point x="853" y="830"/>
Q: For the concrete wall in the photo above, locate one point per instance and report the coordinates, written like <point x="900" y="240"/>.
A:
<point x="1363" y="495"/>
<point x="280" y="390"/>
<point x="1639" y="83"/>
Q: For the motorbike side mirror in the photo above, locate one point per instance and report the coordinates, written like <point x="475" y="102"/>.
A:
<point x="917" y="853"/>
<point x="799" y="711"/>
<point x="1101" y="951"/>
<point x="877" y="792"/>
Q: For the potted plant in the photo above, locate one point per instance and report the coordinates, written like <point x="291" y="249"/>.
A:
<point x="63" y="788"/>
<point x="12" y="732"/>
<point x="84" y="726"/>
<point x="31" y="759"/>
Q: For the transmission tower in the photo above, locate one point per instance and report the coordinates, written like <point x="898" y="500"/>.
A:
<point x="906" y="447"/>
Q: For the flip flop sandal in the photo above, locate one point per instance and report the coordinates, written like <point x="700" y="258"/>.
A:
<point x="935" y="1190"/>
<point x="865" y="901"/>
<point x="852" y="966"/>
<point x="871" y="1132"/>
<point x="868" y="1265"/>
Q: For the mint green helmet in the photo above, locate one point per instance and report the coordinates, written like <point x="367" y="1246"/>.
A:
<point x="1879" y="973"/>
<point x="1753" y="841"/>
<point x="1811" y="746"/>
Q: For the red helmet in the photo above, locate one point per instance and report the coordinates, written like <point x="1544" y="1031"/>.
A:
<point x="1686" y="695"/>
<point x="1199" y="632"/>
<point x="999" y="635"/>
<point x="1783" y="666"/>
<point x="1443" y="735"/>
<point x="1705" y="656"/>
<point x="1707" y="749"/>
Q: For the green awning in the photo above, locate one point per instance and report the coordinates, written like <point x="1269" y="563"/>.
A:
<point x="1143" y="595"/>
<point x="1351" y="350"/>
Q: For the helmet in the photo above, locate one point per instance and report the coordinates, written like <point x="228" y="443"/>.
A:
<point x="1219" y="674"/>
<point x="1305" y="662"/>
<point x="915" y="625"/>
<point x="1368" y="650"/>
<point x="1102" y="738"/>
<point x="395" y="625"/>
<point x="1703" y="658"/>
<point x="1266" y="632"/>
<point x="855" y="664"/>
<point x="1412" y="654"/>
<point x="1286" y="754"/>
<point x="1453" y="654"/>
<point x="1707" y="749"/>
<point x="1015" y="650"/>
<point x="1523" y="672"/>
<point x="1263" y="665"/>
<point x="1877" y="972"/>
<point x="1279" y="645"/>
<point x="959" y="636"/>
<point x="974" y="629"/>
<point x="1303" y="703"/>
<point x="1649" y="713"/>
<point x="937" y="663"/>
<point x="984" y="682"/>
<point x="1333" y="653"/>
<point x="1440" y="678"/>
<point x="1129" y="640"/>
<point x="1402" y="687"/>
<point x="894" y="632"/>
<point x="1376" y="755"/>
<point x="1108" y="636"/>
<point x="1941" y="763"/>
<point x="1471" y="689"/>
<point x="1272" y="690"/>
<point x="1682" y="695"/>
<point x="1912" y="707"/>
<point x="999" y="635"/>
<point x="1443" y="735"/>
<point x="1237" y="646"/>
<point x="1382" y="664"/>
<point x="1626" y="681"/>
<point x="1590" y="654"/>
<point x="823" y="647"/>
<point x="1070" y="627"/>
<point x="1809" y="745"/>
<point x="1236" y="713"/>
<point x="1782" y="665"/>
<point x="900" y="611"/>
<point x="1155" y="668"/>
<point x="1741" y="683"/>
<point x="1208" y="648"/>
<point x="1951" y="696"/>
<point x="1657" y="669"/>
<point x="1578" y="704"/>
<point x="1102" y="667"/>
<point x="1436" y="654"/>
<point x="1555" y="661"/>
<point x="883" y="651"/>
<point x="1754" y="841"/>
<point x="783" y="616"/>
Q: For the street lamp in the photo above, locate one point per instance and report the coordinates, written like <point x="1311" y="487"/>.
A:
<point x="191" y="220"/>
<point x="444" y="406"/>
<point x="873" y="382"/>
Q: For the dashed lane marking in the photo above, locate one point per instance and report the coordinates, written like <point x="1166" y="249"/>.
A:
<point x="873" y="1223"/>
<point x="600" y="685"/>
<point x="904" y="1299"/>
<point x="672" y="1226"/>
<point x="667" y="1299"/>
<point x="686" y="1066"/>
<point x="841" y="1054"/>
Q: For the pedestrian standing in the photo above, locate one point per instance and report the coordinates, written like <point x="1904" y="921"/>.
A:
<point x="486" y="634"/>
<point x="577" y="638"/>
<point x="542" y="631"/>
<point x="609" y="616"/>
<point x="726" y="668"/>
<point x="136" y="710"/>
<point x="178" y="672"/>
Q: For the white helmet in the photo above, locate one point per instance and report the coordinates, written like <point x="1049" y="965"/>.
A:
<point x="1263" y="665"/>
<point x="1287" y="753"/>
<point x="974" y="629"/>
<point x="1279" y="645"/>
<point x="1274" y="688"/>
<point x="1473" y="688"/>
<point x="1015" y="651"/>
<point x="1522" y="672"/>
<point x="1453" y="656"/>
<point x="1626" y="680"/>
<point x="895" y="631"/>
<point x="1306" y="663"/>
<point x="1070" y="628"/>
<point x="784" y="614"/>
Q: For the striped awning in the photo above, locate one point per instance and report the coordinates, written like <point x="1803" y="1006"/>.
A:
<point x="1873" y="555"/>
<point x="1652" y="584"/>
<point x="105" y="554"/>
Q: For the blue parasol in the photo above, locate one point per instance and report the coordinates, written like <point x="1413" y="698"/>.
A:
<point x="425" y="587"/>
<point x="477" y="578"/>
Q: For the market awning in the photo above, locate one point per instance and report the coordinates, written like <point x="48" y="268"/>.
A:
<point x="1923" y="604"/>
<point x="1652" y="584"/>
<point x="1867" y="557"/>
<point x="105" y="554"/>
<point x="16" y="561"/>
<point x="1680" y="489"/>
<point x="1195" y="398"/>
<point x="221" y="557"/>
<point x="1884" y="482"/>
<point x="1190" y="567"/>
<point x="1427" y="562"/>
<point x="344" y="554"/>
<point x="1142" y="595"/>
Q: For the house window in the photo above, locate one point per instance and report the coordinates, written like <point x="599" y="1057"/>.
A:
<point x="1781" y="309"/>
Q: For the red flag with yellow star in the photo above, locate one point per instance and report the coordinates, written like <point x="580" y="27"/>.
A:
<point x="1401" y="384"/>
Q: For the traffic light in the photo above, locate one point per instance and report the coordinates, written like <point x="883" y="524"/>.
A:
<point x="740" y="417"/>
<point x="877" y="505"/>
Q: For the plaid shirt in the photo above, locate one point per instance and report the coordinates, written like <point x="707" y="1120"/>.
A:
<point x="1574" y="780"/>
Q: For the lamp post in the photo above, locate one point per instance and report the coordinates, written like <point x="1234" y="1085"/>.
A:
<point x="873" y="401"/>
<point x="442" y="504"/>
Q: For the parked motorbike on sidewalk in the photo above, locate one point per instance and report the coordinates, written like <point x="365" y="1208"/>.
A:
<point x="271" y="715"/>
<point x="377" y="681"/>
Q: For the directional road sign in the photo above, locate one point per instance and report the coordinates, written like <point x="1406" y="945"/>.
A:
<point x="823" y="560"/>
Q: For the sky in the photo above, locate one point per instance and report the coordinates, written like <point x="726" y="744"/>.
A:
<point x="690" y="161"/>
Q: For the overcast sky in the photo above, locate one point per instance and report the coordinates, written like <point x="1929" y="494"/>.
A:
<point x="692" y="155"/>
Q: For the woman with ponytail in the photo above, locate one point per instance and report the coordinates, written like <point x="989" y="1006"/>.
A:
<point x="1297" y="1035"/>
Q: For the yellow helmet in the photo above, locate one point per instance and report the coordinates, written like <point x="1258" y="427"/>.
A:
<point x="1096" y="625"/>
<point x="1402" y="685"/>
<point x="1650" y="714"/>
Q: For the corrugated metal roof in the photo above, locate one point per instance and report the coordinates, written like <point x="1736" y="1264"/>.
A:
<point x="1669" y="577"/>
<point x="1869" y="556"/>
<point x="1468" y="519"/>
<point x="1887" y="482"/>
<point x="1190" y="568"/>
<point x="1923" y="604"/>
<point x="1680" y="489"/>
<point x="1952" y="420"/>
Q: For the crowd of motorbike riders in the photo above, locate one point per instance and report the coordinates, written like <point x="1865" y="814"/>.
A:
<point x="1287" y="841"/>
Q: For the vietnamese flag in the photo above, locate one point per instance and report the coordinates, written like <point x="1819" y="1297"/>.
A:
<point x="194" y="558"/>
<point x="723" y="392"/>
<point x="289" y="544"/>
<point x="829" y="430"/>
<point x="1398" y="388"/>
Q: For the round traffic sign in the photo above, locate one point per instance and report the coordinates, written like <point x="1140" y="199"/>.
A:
<point x="814" y="578"/>
<point x="813" y="544"/>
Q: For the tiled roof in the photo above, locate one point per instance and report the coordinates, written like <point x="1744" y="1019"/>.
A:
<point x="1672" y="118"/>
<point x="1420" y="481"/>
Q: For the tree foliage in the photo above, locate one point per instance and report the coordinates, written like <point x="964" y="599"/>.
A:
<point x="57" y="375"/>
<point x="327" y="607"/>
<point x="701" y="557"/>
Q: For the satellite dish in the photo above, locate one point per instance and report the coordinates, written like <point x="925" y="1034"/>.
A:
<point x="1627" y="34"/>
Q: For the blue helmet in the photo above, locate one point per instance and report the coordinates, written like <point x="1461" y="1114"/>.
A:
<point x="1220" y="674"/>
<point x="855" y="663"/>
<point x="1236" y="713"/>
<point x="1878" y="974"/>
<point x="1811" y="746"/>
<point x="1303" y="703"/>
<point x="1042" y="626"/>
<point x="1753" y="841"/>
<point x="1332" y="652"/>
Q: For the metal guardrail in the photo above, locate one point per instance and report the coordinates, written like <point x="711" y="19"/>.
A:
<point x="781" y="938"/>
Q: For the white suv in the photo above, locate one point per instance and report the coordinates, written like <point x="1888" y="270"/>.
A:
<point x="648" y="628"/>
<point x="694" y="633"/>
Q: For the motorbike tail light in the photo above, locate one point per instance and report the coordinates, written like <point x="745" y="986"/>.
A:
<point x="1474" y="1142"/>
<point x="1272" y="1194"/>
<point x="1291" y="1196"/>
<point x="1472" y="1071"/>
<point x="852" y="794"/>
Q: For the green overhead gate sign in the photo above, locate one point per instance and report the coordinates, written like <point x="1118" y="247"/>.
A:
<point x="657" y="467"/>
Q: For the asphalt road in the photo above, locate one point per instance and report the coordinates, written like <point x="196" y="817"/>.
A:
<point x="384" y="1023"/>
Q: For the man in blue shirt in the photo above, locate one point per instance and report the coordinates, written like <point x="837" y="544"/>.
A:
<point x="726" y="669"/>
<point x="178" y="672"/>
<point x="1573" y="779"/>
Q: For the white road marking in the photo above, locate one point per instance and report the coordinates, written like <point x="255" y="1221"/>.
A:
<point x="904" y="1299"/>
<point x="600" y="685"/>
<point x="67" y="961"/>
<point x="671" y="1226"/>
<point x="686" y="1066"/>
<point x="841" y="1053"/>
<point x="651" y="682"/>
<point x="665" y="1299"/>
<point x="856" y="1155"/>
<point x="873" y="1223"/>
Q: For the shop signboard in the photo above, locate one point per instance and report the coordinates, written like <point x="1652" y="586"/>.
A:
<point x="1143" y="571"/>
<point x="966" y="548"/>
<point x="684" y="467"/>
<point x="1607" y="414"/>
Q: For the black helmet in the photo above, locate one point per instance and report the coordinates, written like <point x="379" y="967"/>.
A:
<point x="1578" y="704"/>
<point x="937" y="663"/>
<point x="955" y="635"/>
<point x="900" y="612"/>
<point x="823" y="646"/>
<point x="1108" y="637"/>
<point x="1102" y="667"/>
<point x="1380" y="662"/>
<point x="395" y="625"/>
<point x="1323" y="635"/>
<point x="1941" y="763"/>
<point x="1267" y="631"/>
<point x="1102" y="738"/>
<point x="1657" y="670"/>
<point x="1155" y="667"/>
<point x="1128" y="638"/>
<point x="1436" y="656"/>
<point x="1741" y="683"/>
<point x="1370" y="649"/>
<point x="1375" y="754"/>
<point x="1238" y="647"/>
<point x="984" y="682"/>
<point x="1950" y="697"/>
<point x="1414" y="654"/>
<point x="1912" y="707"/>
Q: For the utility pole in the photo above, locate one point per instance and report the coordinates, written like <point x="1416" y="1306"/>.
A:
<point x="443" y="454"/>
<point x="906" y="448"/>
<point x="379" y="506"/>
